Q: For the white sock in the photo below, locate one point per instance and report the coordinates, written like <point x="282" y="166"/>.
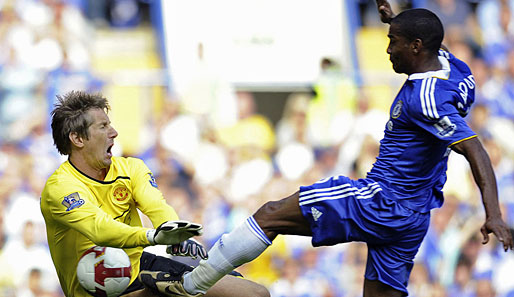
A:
<point x="242" y="245"/>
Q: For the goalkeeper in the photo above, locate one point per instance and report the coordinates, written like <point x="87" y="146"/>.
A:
<point x="93" y="199"/>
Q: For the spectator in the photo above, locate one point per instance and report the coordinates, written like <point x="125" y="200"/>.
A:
<point x="463" y="285"/>
<point x="451" y="12"/>
<point x="25" y="254"/>
<point x="293" y="126"/>
<point x="35" y="286"/>
<point x="485" y="288"/>
<point x="496" y="22"/>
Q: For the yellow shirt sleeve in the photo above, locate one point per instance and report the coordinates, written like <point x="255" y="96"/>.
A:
<point x="148" y="197"/>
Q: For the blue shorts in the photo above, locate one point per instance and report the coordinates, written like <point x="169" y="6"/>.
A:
<point x="343" y="210"/>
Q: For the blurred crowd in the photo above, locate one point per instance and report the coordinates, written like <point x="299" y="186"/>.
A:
<point x="216" y="163"/>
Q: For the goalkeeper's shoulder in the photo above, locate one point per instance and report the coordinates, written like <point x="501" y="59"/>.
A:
<point x="59" y="186"/>
<point x="128" y="161"/>
<point x="63" y="175"/>
<point x="131" y="166"/>
<point x="61" y="179"/>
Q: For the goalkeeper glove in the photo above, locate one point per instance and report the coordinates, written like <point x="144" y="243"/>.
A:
<point x="173" y="232"/>
<point x="189" y="248"/>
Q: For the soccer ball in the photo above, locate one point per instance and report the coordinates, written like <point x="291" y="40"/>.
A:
<point x="104" y="271"/>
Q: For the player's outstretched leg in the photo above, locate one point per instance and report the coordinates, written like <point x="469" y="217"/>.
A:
<point x="164" y="283"/>
<point x="247" y="241"/>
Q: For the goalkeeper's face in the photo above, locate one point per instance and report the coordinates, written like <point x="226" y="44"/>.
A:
<point x="97" y="147"/>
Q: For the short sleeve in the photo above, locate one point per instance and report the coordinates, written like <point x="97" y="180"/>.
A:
<point x="436" y="111"/>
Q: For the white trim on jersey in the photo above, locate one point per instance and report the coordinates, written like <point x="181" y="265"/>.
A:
<point x="426" y="95"/>
<point x="432" y="98"/>
<point x="444" y="54"/>
<point x="421" y="93"/>
<point x="325" y="189"/>
<point x="444" y="73"/>
<point x="339" y="192"/>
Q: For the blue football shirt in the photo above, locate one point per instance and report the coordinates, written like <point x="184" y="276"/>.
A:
<point x="426" y="118"/>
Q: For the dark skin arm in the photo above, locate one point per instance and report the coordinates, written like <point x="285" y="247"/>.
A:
<point x="484" y="177"/>
<point x="385" y="11"/>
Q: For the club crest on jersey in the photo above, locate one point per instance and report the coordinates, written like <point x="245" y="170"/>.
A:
<point x="152" y="180"/>
<point x="445" y="127"/>
<point x="72" y="201"/>
<point x="397" y="110"/>
<point x="390" y="125"/>
<point x="120" y="193"/>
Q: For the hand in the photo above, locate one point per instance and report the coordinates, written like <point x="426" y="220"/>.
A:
<point x="189" y="248"/>
<point x="385" y="11"/>
<point x="500" y="230"/>
<point x="173" y="232"/>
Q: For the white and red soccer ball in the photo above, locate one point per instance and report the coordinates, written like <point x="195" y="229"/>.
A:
<point x="104" y="271"/>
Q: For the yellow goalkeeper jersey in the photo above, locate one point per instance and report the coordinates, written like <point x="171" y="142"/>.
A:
<point x="80" y="212"/>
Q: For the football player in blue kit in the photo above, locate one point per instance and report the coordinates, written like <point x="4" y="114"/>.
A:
<point x="390" y="208"/>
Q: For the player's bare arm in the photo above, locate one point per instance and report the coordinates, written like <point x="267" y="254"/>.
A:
<point x="484" y="177"/>
<point x="385" y="11"/>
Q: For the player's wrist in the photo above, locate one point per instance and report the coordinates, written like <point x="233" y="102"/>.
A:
<point x="150" y="235"/>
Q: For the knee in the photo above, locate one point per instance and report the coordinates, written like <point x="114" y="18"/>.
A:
<point x="266" y="213"/>
<point x="270" y="219"/>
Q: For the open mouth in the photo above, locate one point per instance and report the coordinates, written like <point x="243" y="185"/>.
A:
<point x="109" y="150"/>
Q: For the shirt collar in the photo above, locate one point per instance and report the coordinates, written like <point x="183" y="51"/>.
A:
<point x="443" y="73"/>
